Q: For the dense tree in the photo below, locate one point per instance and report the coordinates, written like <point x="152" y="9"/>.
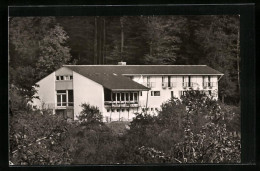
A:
<point x="38" y="139"/>
<point x="163" y="37"/>
<point x="219" y="38"/>
<point x="37" y="48"/>
<point x="195" y="129"/>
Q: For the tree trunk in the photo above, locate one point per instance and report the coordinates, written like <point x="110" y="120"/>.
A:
<point x="99" y="41"/>
<point x="238" y="60"/>
<point x="122" y="38"/>
<point x="95" y="42"/>
<point x="104" y="41"/>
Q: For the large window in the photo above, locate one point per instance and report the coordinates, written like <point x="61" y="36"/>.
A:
<point x="61" y="98"/>
<point x="65" y="98"/>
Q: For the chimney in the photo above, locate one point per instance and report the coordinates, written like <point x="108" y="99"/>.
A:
<point x="121" y="63"/>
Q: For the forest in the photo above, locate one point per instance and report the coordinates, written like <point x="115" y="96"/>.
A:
<point x="195" y="129"/>
<point x="40" y="45"/>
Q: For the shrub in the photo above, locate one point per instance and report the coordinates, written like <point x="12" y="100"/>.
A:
<point x="90" y="114"/>
<point x="38" y="139"/>
<point x="191" y="130"/>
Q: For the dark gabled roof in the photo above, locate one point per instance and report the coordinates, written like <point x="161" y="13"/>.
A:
<point x="149" y="69"/>
<point x="111" y="76"/>
<point x="109" y="80"/>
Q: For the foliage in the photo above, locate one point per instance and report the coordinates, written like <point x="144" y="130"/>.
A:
<point x="194" y="129"/>
<point x="164" y="42"/>
<point x="201" y="126"/>
<point x="90" y="114"/>
<point x="37" y="48"/>
<point x="37" y="138"/>
<point x="213" y="143"/>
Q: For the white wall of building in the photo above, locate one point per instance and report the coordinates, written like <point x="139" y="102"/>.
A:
<point x="165" y="93"/>
<point x="86" y="91"/>
<point x="46" y="92"/>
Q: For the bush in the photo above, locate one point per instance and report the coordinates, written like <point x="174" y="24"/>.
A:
<point x="38" y="139"/>
<point x="90" y="114"/>
<point x="191" y="130"/>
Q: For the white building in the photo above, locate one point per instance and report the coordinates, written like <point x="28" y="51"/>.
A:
<point x="121" y="90"/>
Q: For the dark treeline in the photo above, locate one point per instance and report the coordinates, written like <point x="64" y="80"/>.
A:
<point x="39" y="45"/>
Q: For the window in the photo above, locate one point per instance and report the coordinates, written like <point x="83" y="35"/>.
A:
<point x="172" y="94"/>
<point x="148" y="79"/>
<point x="155" y="93"/>
<point x="151" y="109"/>
<point x="61" y="98"/>
<point x="163" y="79"/>
<point x="71" y="77"/>
<point x="182" y="93"/>
<point x="117" y="110"/>
<point x="123" y="110"/>
<point x="135" y="97"/>
<point x="141" y="93"/>
<point x="131" y="96"/>
<point x="66" y="77"/>
<point x="114" y="97"/>
<point x="108" y="110"/>
<point x="57" y="77"/>
<point x="61" y="78"/>
<point x="113" y="110"/>
<point x="122" y="96"/>
<point x="169" y="81"/>
<point x="70" y="98"/>
<point x="127" y="96"/>
<point x="209" y="83"/>
<point x="189" y="83"/>
<point x="65" y="98"/>
<point x="118" y="96"/>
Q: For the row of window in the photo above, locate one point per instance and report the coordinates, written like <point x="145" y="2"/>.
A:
<point x="174" y="84"/>
<point x="181" y="93"/>
<point x="129" y="96"/>
<point x="64" y="77"/>
<point x="123" y="110"/>
<point x="166" y="82"/>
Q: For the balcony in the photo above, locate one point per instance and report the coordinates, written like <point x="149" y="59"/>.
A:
<point x="209" y="85"/>
<point x="186" y="85"/>
<point x="149" y="84"/>
<point x="121" y="104"/>
<point x="68" y="105"/>
<point x="171" y="85"/>
<point x="65" y="104"/>
<point x="164" y="85"/>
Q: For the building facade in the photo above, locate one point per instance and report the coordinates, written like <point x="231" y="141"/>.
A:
<point x="119" y="91"/>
